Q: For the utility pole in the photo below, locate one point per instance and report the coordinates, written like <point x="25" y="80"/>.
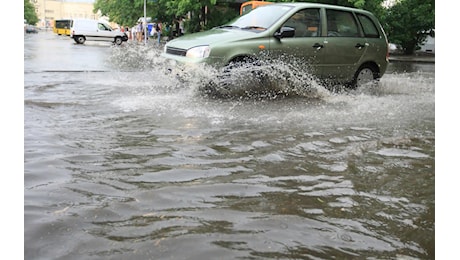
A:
<point x="44" y="15"/>
<point x="145" y="22"/>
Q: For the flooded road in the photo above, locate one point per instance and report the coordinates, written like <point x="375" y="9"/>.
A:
<point x="125" y="159"/>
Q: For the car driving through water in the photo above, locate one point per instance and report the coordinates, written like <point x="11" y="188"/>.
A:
<point x="338" y="44"/>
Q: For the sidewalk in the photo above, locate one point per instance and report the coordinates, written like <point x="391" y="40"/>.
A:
<point x="417" y="57"/>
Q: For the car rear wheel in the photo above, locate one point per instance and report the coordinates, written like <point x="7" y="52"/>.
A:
<point x="118" y="41"/>
<point x="366" y="74"/>
<point x="80" y="39"/>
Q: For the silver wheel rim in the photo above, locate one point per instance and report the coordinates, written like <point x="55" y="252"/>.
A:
<point x="365" y="76"/>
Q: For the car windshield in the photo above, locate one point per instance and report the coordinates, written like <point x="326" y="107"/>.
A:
<point x="260" y="18"/>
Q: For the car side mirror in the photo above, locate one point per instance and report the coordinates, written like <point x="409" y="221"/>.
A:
<point x="285" y="32"/>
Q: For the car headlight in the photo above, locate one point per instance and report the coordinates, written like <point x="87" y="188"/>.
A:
<point x="198" y="52"/>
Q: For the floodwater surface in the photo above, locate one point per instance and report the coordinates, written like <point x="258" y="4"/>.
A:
<point x="125" y="158"/>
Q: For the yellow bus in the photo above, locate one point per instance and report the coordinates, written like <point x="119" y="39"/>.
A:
<point x="62" y="26"/>
<point x="246" y="7"/>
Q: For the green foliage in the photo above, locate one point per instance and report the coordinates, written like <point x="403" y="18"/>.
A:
<point x="408" y="22"/>
<point x="199" y="20"/>
<point x="358" y="3"/>
<point x="219" y="16"/>
<point x="29" y="13"/>
<point x="123" y="12"/>
<point x="127" y="12"/>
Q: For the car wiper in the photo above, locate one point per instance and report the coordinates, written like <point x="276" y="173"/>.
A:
<point x="227" y="27"/>
<point x="253" y="28"/>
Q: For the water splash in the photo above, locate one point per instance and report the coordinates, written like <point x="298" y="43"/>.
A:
<point x="134" y="56"/>
<point x="266" y="79"/>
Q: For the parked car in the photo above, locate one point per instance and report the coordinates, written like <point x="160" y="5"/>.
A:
<point x="30" y="28"/>
<point x="340" y="44"/>
<point x="93" y="30"/>
<point x="394" y="48"/>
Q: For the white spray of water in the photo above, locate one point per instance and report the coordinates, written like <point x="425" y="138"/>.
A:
<point x="267" y="79"/>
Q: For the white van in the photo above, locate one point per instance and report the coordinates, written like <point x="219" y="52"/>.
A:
<point x="93" y="30"/>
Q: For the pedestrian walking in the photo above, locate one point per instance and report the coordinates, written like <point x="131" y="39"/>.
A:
<point x="139" y="31"/>
<point x="181" y="26"/>
<point x="128" y="32"/>
<point x="134" y="33"/>
<point x="158" y="29"/>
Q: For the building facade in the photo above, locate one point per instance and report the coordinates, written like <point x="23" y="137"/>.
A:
<point x="49" y="10"/>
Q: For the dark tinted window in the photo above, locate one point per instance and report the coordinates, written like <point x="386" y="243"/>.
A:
<point x="341" y="24"/>
<point x="306" y="23"/>
<point x="62" y="24"/>
<point x="369" y="28"/>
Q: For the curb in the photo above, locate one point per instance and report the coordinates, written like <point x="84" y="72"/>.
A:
<point x="412" y="58"/>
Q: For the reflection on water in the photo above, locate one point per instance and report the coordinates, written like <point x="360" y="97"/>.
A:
<point x="409" y="67"/>
<point x="131" y="162"/>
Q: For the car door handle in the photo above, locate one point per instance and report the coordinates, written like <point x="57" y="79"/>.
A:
<point x="359" y="46"/>
<point x="318" y="46"/>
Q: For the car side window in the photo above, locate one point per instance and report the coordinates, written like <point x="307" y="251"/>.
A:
<point x="369" y="28"/>
<point x="306" y="23"/>
<point x="102" y="27"/>
<point x="341" y="24"/>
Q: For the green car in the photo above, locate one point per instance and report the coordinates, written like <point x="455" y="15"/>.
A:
<point x="340" y="45"/>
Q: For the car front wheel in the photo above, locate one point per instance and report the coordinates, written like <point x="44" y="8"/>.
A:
<point x="366" y="74"/>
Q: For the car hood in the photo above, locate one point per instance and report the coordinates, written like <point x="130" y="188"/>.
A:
<point x="212" y="37"/>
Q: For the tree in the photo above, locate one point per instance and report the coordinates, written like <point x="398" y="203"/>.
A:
<point x="408" y="23"/>
<point x="127" y="12"/>
<point x="29" y="13"/>
<point x="123" y="12"/>
<point x="220" y="15"/>
<point x="196" y="10"/>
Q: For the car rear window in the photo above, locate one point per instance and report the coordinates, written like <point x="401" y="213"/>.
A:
<point x="369" y="28"/>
